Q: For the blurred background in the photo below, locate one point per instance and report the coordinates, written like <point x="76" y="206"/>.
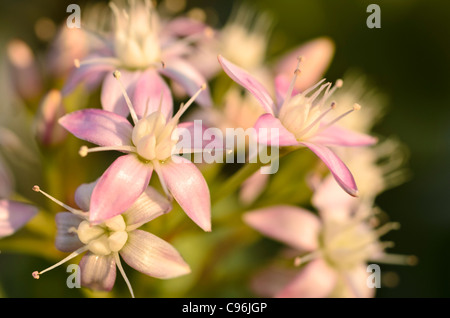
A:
<point x="407" y="59"/>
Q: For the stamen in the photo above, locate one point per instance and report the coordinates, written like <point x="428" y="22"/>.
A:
<point x="100" y="60"/>
<point x="318" y="119"/>
<point x="312" y="98"/>
<point x="65" y="206"/>
<point x="387" y="228"/>
<point x="309" y="90"/>
<point x="36" y="274"/>
<point x="84" y="150"/>
<point x="184" y="107"/>
<point x="299" y="260"/>
<point x="119" y="265"/>
<point x="292" y="84"/>
<point x="397" y="259"/>
<point x="356" y="107"/>
<point x="117" y="75"/>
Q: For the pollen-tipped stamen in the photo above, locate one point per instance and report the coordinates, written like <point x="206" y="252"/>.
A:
<point x="84" y="150"/>
<point x="318" y="119"/>
<point x="184" y="107"/>
<point x="355" y="107"/>
<point x="300" y="260"/>
<point x="65" y="206"/>
<point x="133" y="114"/>
<point x="293" y="81"/>
<point x="99" y="60"/>
<point x="36" y="274"/>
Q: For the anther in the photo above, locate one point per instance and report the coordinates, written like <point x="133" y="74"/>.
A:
<point x="117" y="74"/>
<point x="36" y="188"/>
<point x="83" y="152"/>
<point x="35" y="274"/>
<point x="356" y="107"/>
<point x="76" y="62"/>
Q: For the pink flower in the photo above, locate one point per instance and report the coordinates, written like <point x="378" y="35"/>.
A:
<point x="299" y="118"/>
<point x="149" y="145"/>
<point x="141" y="44"/>
<point x="117" y="237"/>
<point x="14" y="215"/>
<point x="334" y="249"/>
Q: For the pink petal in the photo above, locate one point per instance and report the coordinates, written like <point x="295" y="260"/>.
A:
<point x="332" y="202"/>
<point x="339" y="136"/>
<point x="67" y="240"/>
<point x="341" y="174"/>
<point x="291" y="225"/>
<point x="98" y="272"/>
<point x="99" y="127"/>
<point x="151" y="94"/>
<point x="147" y="207"/>
<point x="183" y="26"/>
<point x="317" y="55"/>
<point x="90" y="74"/>
<point x="189" y="78"/>
<point x="153" y="256"/>
<point x="316" y="280"/>
<point x="265" y="127"/>
<point x="252" y="188"/>
<point x="189" y="188"/>
<point x="119" y="187"/>
<point x="247" y="81"/>
<point x="14" y="215"/>
<point x="112" y="97"/>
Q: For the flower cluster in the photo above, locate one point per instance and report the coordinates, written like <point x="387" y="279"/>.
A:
<point x="117" y="102"/>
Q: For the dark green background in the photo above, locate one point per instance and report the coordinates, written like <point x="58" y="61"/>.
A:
<point x="408" y="59"/>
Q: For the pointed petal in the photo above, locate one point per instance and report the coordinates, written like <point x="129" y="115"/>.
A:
<point x="341" y="174"/>
<point x="151" y="93"/>
<point x="271" y="132"/>
<point x="339" y="136"/>
<point x="98" y="272"/>
<point x="153" y="256"/>
<point x="316" y="54"/>
<point x="252" y="188"/>
<point x="294" y="226"/>
<point x="189" y="188"/>
<point x="189" y="78"/>
<point x="147" y="207"/>
<point x="99" y="127"/>
<point x="247" y="81"/>
<point x="90" y="74"/>
<point x="112" y="97"/>
<point x="14" y="215"/>
<point x="83" y="195"/>
<point x="316" y="280"/>
<point x="119" y="187"/>
<point x="66" y="240"/>
<point x="332" y="202"/>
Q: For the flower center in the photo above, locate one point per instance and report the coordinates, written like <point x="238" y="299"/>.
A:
<point x="105" y="238"/>
<point x="154" y="138"/>
<point x="136" y="38"/>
